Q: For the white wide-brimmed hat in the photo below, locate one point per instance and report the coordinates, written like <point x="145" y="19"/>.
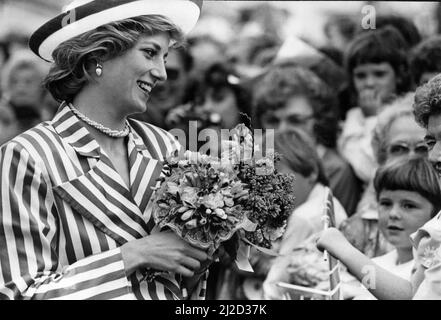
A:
<point x="84" y="15"/>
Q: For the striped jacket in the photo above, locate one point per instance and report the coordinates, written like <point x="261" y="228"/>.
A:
<point x="65" y="212"/>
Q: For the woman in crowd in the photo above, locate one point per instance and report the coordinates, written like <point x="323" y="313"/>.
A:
<point x="377" y="64"/>
<point x="289" y="96"/>
<point x="75" y="213"/>
<point x="300" y="158"/>
<point x="22" y="78"/>
<point x="396" y="134"/>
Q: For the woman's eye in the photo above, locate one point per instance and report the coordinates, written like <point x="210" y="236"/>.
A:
<point x="150" y="53"/>
<point x="379" y="74"/>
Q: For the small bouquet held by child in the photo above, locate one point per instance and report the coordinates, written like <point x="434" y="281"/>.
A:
<point x="237" y="200"/>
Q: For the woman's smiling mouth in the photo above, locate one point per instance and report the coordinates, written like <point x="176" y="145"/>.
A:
<point x="144" y="86"/>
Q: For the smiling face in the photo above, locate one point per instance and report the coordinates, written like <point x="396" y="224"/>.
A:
<point x="401" y="213"/>
<point x="128" y="80"/>
<point x="433" y="140"/>
<point x="169" y="94"/>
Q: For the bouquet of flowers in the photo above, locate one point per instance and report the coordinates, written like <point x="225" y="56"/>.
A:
<point x="237" y="199"/>
<point x="202" y="200"/>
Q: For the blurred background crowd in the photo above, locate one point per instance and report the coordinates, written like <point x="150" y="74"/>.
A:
<point x="338" y="94"/>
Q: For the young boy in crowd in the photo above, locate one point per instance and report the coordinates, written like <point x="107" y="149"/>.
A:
<point x="425" y="283"/>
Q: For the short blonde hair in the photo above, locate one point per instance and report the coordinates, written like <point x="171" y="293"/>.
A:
<point x="74" y="58"/>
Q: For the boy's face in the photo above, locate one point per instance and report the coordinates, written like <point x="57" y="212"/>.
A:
<point x="433" y="140"/>
<point x="401" y="213"/>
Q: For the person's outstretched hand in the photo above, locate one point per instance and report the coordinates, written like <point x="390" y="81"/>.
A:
<point x="331" y="240"/>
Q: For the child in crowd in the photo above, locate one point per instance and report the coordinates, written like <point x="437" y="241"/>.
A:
<point x="377" y="64"/>
<point x="408" y="196"/>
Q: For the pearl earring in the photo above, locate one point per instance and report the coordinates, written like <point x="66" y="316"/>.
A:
<point x="99" y="70"/>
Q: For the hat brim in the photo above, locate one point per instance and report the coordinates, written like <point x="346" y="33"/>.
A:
<point x="97" y="13"/>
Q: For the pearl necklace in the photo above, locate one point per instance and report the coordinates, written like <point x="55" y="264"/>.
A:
<point x="107" y="131"/>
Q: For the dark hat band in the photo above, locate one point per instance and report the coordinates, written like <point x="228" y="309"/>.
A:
<point x="75" y="15"/>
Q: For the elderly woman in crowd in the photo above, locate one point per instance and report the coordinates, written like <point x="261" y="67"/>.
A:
<point x="289" y="96"/>
<point x="396" y="134"/>
<point x="75" y="204"/>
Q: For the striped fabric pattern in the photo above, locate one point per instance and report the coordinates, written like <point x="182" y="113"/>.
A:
<point x="65" y="212"/>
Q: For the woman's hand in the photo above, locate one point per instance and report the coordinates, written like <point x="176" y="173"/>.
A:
<point x="163" y="251"/>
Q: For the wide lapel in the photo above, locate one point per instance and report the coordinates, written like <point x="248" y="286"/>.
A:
<point x="147" y="149"/>
<point x="98" y="193"/>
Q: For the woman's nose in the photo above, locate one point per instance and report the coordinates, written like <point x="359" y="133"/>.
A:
<point x="159" y="71"/>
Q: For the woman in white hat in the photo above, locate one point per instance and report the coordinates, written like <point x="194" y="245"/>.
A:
<point x="75" y="209"/>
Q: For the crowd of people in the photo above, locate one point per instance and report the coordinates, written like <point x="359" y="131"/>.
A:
<point x="345" y="116"/>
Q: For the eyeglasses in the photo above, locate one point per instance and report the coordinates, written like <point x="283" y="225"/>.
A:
<point x="397" y="149"/>
<point x="294" y="120"/>
<point x="172" y="73"/>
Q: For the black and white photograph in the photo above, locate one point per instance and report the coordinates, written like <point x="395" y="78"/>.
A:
<point x="232" y="151"/>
